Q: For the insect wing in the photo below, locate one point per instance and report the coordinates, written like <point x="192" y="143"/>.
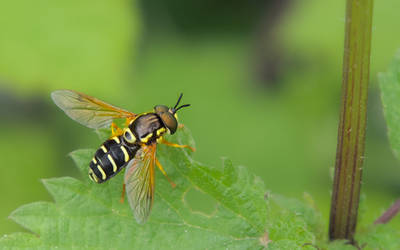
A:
<point x="139" y="182"/>
<point x="87" y="110"/>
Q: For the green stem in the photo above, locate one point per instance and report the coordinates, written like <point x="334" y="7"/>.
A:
<point x="351" y="134"/>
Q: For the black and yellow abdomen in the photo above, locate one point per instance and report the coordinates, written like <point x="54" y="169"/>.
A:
<point x="116" y="152"/>
<point x="110" y="158"/>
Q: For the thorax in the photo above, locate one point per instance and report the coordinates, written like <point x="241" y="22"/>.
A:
<point x="147" y="128"/>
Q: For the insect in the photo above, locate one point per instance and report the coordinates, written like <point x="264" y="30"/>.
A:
<point x="133" y="146"/>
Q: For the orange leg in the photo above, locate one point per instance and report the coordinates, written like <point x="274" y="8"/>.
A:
<point x="164" y="173"/>
<point x="176" y="145"/>
<point x="115" y="130"/>
<point x="123" y="194"/>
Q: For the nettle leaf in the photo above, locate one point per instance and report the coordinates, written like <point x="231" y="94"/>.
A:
<point x="87" y="215"/>
<point x="390" y="92"/>
<point x="382" y="236"/>
<point x="379" y="237"/>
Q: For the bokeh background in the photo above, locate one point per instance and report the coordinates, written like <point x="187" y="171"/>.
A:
<point x="263" y="78"/>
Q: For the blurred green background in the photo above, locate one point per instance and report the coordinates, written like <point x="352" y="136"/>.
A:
<point x="263" y="78"/>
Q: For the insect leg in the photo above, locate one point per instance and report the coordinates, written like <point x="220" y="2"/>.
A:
<point x="115" y="130"/>
<point x="123" y="194"/>
<point x="176" y="145"/>
<point x="164" y="173"/>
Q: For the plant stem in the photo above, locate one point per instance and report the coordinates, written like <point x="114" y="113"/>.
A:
<point x="389" y="214"/>
<point x="351" y="133"/>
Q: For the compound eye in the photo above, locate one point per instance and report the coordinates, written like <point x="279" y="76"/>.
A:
<point x="170" y="122"/>
<point x="128" y="136"/>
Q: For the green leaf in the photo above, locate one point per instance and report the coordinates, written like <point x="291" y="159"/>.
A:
<point x="379" y="237"/>
<point x="87" y="215"/>
<point x="306" y="213"/>
<point x="339" y="245"/>
<point x="390" y="94"/>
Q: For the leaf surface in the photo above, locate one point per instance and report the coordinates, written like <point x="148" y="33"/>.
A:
<point x="390" y="94"/>
<point x="87" y="215"/>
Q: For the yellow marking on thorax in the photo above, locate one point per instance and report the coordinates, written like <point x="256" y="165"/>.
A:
<point x="103" y="148"/>
<point x="146" y="139"/>
<point x="160" y="131"/>
<point x="125" y="153"/>
<point x="112" y="163"/>
<point x="94" y="160"/>
<point x="103" y="175"/>
<point x="116" y="139"/>
<point x="153" y="119"/>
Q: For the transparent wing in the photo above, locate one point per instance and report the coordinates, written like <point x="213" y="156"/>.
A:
<point x="88" y="110"/>
<point x="139" y="182"/>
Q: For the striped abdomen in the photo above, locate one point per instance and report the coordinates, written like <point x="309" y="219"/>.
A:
<point x="110" y="158"/>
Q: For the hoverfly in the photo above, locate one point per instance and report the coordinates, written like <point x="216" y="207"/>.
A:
<point x="133" y="146"/>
